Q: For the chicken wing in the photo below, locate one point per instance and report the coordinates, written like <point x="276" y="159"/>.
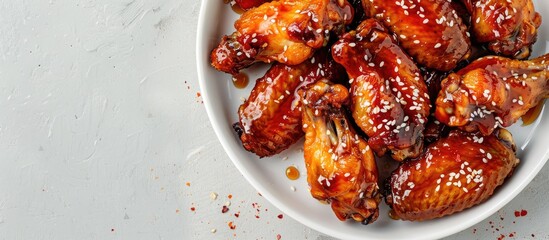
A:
<point x="430" y="31"/>
<point x="270" y="119"/>
<point x="491" y="92"/>
<point x="508" y="26"/>
<point x="248" y="4"/>
<point x="390" y="102"/>
<point x="287" y="31"/>
<point x="453" y="174"/>
<point x="341" y="168"/>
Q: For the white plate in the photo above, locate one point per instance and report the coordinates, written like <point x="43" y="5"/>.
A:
<point x="222" y="99"/>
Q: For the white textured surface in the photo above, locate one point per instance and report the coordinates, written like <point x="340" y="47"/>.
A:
<point x="101" y="128"/>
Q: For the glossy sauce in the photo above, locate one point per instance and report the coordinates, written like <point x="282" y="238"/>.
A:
<point x="532" y="114"/>
<point x="393" y="215"/>
<point x="292" y="173"/>
<point x="240" y="80"/>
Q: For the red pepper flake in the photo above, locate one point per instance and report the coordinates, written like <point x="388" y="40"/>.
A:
<point x="280" y="216"/>
<point x="256" y="216"/>
<point x="197" y="94"/>
<point x="237" y="214"/>
<point x="231" y="225"/>
<point x="512" y="234"/>
<point x="224" y="209"/>
<point x="176" y="210"/>
<point x="517" y="214"/>
<point x="230" y="196"/>
<point x="192" y="209"/>
<point x="278" y="237"/>
<point x="501" y="237"/>
<point x="188" y="184"/>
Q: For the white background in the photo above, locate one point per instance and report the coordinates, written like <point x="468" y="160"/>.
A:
<point x="102" y="127"/>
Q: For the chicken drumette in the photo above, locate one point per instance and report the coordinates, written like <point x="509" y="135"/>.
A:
<point x="286" y="31"/>
<point x="491" y="92"/>
<point x="430" y="31"/>
<point x="390" y="102"/>
<point x="341" y="168"/>
<point x="270" y="119"/>
<point x="454" y="173"/>
<point x="508" y="26"/>
<point x="248" y="4"/>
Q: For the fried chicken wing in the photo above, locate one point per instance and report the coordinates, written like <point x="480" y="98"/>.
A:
<point x="453" y="174"/>
<point x="270" y="119"/>
<point x="248" y="4"/>
<point x="390" y="102"/>
<point x="286" y="31"/>
<point x="341" y="168"/>
<point x="491" y="92"/>
<point x="430" y="31"/>
<point x="508" y="26"/>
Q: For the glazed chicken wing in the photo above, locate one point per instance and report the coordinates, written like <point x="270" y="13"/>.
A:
<point x="390" y="102"/>
<point x="430" y="31"/>
<point x="286" y="31"/>
<point x="491" y="92"/>
<point x="248" y="4"/>
<point x="453" y="174"/>
<point x="270" y="119"/>
<point x="508" y="26"/>
<point x="341" y="168"/>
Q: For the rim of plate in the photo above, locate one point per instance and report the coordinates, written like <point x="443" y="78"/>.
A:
<point x="202" y="61"/>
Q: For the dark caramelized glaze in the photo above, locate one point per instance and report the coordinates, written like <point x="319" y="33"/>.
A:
<point x="430" y="31"/>
<point x="286" y="31"/>
<point x="508" y="26"/>
<point x="492" y="92"/>
<point x="390" y="102"/>
<point x="341" y="168"/>
<point x="270" y="119"/>
<point x="454" y="173"/>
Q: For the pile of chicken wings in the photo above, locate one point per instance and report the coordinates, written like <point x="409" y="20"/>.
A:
<point x="430" y="83"/>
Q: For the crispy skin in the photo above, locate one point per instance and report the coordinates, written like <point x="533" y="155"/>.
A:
<point x="286" y="31"/>
<point x="508" y="26"/>
<point x="247" y="4"/>
<point x="390" y="102"/>
<point x="270" y="119"/>
<point x="492" y="92"/>
<point x="430" y="31"/>
<point x="341" y="168"/>
<point x="453" y="174"/>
